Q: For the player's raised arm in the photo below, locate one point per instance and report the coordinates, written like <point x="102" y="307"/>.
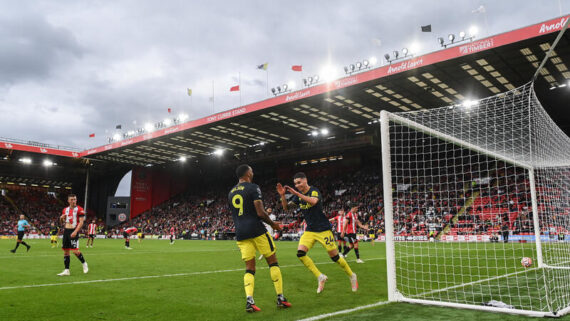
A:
<point x="309" y="199"/>
<point x="281" y="191"/>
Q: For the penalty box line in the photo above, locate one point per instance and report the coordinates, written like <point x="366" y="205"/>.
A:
<point x="154" y="276"/>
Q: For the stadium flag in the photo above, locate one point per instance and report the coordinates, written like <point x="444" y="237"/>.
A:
<point x="92" y="135"/>
<point x="234" y="88"/>
<point x="189" y="91"/>
<point x="169" y="110"/>
<point x="297" y="68"/>
<point x="426" y="28"/>
<point x="263" y="66"/>
<point x="118" y="126"/>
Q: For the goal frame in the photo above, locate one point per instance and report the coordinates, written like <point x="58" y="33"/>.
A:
<point x="393" y="294"/>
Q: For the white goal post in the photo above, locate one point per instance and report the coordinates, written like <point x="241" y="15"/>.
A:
<point x="469" y="191"/>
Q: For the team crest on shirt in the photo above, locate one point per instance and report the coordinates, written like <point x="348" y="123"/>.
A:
<point x="315" y="194"/>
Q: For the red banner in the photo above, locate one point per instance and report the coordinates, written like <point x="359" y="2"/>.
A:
<point x="141" y="191"/>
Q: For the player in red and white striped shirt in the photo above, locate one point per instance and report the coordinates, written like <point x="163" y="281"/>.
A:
<point x="91" y="231"/>
<point x="350" y="223"/>
<point x="339" y="225"/>
<point x="172" y="235"/>
<point x="73" y="216"/>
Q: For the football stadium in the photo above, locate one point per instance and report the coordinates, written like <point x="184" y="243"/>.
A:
<point x="445" y="177"/>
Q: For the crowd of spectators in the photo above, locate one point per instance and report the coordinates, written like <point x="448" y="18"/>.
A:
<point x="453" y="202"/>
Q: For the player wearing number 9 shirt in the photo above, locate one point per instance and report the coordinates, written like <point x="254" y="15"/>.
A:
<point x="248" y="212"/>
<point x="319" y="229"/>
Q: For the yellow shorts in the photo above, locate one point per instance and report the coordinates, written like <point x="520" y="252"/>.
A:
<point x="139" y="235"/>
<point x="263" y="243"/>
<point x="326" y="239"/>
<point x="53" y="237"/>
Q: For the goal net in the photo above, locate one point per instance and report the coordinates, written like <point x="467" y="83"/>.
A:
<point x="469" y="191"/>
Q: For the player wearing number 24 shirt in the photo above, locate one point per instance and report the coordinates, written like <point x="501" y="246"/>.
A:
<point x="319" y="229"/>
<point x="248" y="213"/>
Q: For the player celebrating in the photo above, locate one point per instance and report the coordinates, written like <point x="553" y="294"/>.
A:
<point x="339" y="224"/>
<point x="91" y="231"/>
<point x="126" y="235"/>
<point x="73" y="216"/>
<point x="309" y="200"/>
<point x="22" y="226"/>
<point x="267" y="226"/>
<point x="248" y="212"/>
<point x="53" y="232"/>
<point x="172" y="237"/>
<point x="349" y="229"/>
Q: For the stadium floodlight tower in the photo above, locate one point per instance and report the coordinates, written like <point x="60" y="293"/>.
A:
<point x="489" y="181"/>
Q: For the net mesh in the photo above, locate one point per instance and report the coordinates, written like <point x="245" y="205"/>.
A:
<point x="462" y="203"/>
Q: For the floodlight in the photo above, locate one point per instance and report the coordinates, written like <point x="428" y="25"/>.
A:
<point x="365" y="63"/>
<point x="358" y="65"/>
<point x="219" y="152"/>
<point x="473" y="31"/>
<point x="451" y="37"/>
<point x="462" y="34"/>
<point x="116" y="137"/>
<point x="373" y="61"/>
<point x="441" y="40"/>
<point x="279" y="88"/>
<point x="273" y="89"/>
<point x="315" y="133"/>
<point x="182" y="159"/>
<point x="167" y="122"/>
<point x="148" y="127"/>
<point x="324" y="131"/>
<point x="352" y="67"/>
<point x="291" y="85"/>
<point x="405" y="51"/>
<point x="284" y="87"/>
<point x="26" y="160"/>
<point x="387" y="57"/>
<point x="346" y="69"/>
<point x="316" y="78"/>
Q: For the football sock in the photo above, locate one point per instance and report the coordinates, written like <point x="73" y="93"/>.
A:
<point x="310" y="265"/>
<point x="249" y="282"/>
<point x="24" y="243"/>
<point x="80" y="257"/>
<point x="342" y="262"/>
<point x="17" y="244"/>
<point x="346" y="250"/>
<point x="66" y="261"/>
<point x="339" y="248"/>
<point x="127" y="242"/>
<point x="275" y="273"/>
<point x="357" y="252"/>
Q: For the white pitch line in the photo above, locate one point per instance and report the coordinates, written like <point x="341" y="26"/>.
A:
<point x="153" y="276"/>
<point x="332" y="314"/>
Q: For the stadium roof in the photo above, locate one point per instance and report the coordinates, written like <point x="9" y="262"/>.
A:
<point x="349" y="107"/>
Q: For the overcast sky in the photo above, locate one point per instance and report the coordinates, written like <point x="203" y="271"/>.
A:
<point x="71" y="68"/>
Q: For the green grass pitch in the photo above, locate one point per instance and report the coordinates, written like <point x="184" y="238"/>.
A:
<point x="193" y="280"/>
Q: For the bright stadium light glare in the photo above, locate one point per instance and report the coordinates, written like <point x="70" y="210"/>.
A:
<point x="148" y="127"/>
<point x="328" y="73"/>
<point x="469" y="103"/>
<point x="315" y="133"/>
<point x="131" y="132"/>
<point x="167" y="122"/>
<point x="219" y="152"/>
<point x="415" y="48"/>
<point x="116" y="137"/>
<point x="47" y="163"/>
<point x="26" y="160"/>
<point x="291" y="85"/>
<point x="182" y="117"/>
<point x="324" y="131"/>
<point x="462" y="34"/>
<point x="182" y="159"/>
<point x="451" y="37"/>
<point x="373" y="61"/>
<point x="405" y="51"/>
<point x="473" y="31"/>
